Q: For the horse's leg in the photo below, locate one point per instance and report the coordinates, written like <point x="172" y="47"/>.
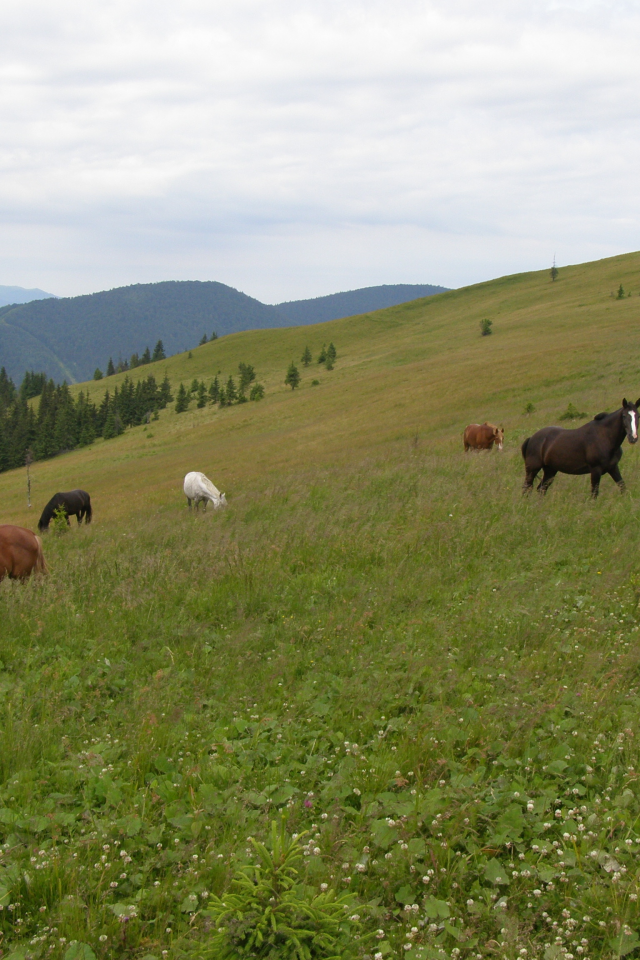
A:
<point x="615" y="474"/>
<point x="596" y="473"/>
<point x="189" y="503"/>
<point x="548" y="475"/>
<point x="530" y="475"/>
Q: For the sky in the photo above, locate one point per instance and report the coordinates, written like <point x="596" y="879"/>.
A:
<point x="293" y="149"/>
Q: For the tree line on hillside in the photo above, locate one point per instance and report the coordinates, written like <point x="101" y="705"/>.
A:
<point x="136" y="360"/>
<point x="225" y="395"/>
<point x="62" y="422"/>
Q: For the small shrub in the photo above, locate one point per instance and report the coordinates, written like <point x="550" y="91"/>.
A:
<point x="257" y="392"/>
<point x="485" y="327"/>
<point x="315" y="383"/>
<point x="572" y="413"/>
<point x="528" y="408"/>
<point x="268" y="913"/>
<point x="620" y="295"/>
<point x="59" y="521"/>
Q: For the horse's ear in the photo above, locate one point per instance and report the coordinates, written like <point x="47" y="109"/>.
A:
<point x="638" y="402"/>
<point x="624" y="403"/>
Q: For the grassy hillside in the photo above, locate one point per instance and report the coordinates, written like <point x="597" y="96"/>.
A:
<point x="379" y="640"/>
<point x="352" y="302"/>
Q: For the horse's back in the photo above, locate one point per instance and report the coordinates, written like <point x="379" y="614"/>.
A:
<point x="20" y="552"/>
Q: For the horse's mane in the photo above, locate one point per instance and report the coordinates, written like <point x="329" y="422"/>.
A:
<point x="601" y="416"/>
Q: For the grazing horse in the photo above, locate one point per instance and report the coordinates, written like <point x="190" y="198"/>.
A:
<point x="594" y="448"/>
<point x="482" y="436"/>
<point x="74" y="503"/>
<point x="20" y="553"/>
<point x="199" y="488"/>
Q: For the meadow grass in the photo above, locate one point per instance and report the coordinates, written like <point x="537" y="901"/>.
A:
<point x="379" y="640"/>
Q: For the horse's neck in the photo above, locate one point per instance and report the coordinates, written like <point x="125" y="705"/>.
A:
<point x="618" y="432"/>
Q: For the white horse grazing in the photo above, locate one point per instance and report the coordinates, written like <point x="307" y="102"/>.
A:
<point x="197" y="487"/>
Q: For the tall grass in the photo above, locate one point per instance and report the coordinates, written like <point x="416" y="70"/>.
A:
<point x="406" y="658"/>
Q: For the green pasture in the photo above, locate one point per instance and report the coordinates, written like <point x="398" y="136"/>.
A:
<point x="380" y="646"/>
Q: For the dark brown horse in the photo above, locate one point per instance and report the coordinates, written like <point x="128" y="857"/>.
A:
<point x="594" y="448"/>
<point x="20" y="553"/>
<point x="74" y="503"/>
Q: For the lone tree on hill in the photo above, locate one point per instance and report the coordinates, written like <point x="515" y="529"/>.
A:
<point x="306" y="357"/>
<point x="292" y="378"/>
<point x="485" y="327"/>
<point x="158" y="352"/>
<point x="203" y="340"/>
<point x="110" y="368"/>
<point x="620" y="293"/>
<point x="554" y="270"/>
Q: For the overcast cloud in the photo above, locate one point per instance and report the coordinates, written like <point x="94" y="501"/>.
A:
<point x="292" y="148"/>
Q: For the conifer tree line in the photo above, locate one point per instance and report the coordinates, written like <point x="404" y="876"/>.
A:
<point x="224" y="394"/>
<point x="140" y="360"/>
<point x="63" y="423"/>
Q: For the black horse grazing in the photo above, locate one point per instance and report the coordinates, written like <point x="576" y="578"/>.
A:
<point x="74" y="503"/>
<point x="594" y="448"/>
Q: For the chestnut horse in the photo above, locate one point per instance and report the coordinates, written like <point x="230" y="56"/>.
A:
<point x="20" y="553"/>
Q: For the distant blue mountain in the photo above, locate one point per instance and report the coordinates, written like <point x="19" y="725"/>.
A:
<point x="20" y="295"/>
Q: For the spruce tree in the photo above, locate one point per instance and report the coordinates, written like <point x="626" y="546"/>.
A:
<point x="134" y="361"/>
<point x="214" y="391"/>
<point x="331" y="353"/>
<point x="158" y="352"/>
<point x="323" y="354"/>
<point x="247" y="376"/>
<point x="97" y="374"/>
<point x="202" y="395"/>
<point x="306" y="357"/>
<point x="182" y="399"/>
<point x="230" y="392"/>
<point x="292" y="378"/>
<point x="146" y="356"/>
<point x="203" y="340"/>
<point x="194" y="385"/>
<point x="165" y="396"/>
<point x="214" y="336"/>
<point x="110" y="368"/>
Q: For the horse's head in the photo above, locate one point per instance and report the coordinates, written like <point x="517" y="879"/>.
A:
<point x="630" y="419"/>
<point x="221" y="501"/>
<point x="498" y="437"/>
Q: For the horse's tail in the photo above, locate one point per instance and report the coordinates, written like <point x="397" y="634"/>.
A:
<point x="524" y="448"/>
<point x="41" y="565"/>
<point x="88" y="511"/>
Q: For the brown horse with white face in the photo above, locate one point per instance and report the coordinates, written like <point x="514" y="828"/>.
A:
<point x="594" y="448"/>
<point x="20" y="553"/>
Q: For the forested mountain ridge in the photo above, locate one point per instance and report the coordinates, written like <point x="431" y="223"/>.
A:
<point x="69" y="337"/>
